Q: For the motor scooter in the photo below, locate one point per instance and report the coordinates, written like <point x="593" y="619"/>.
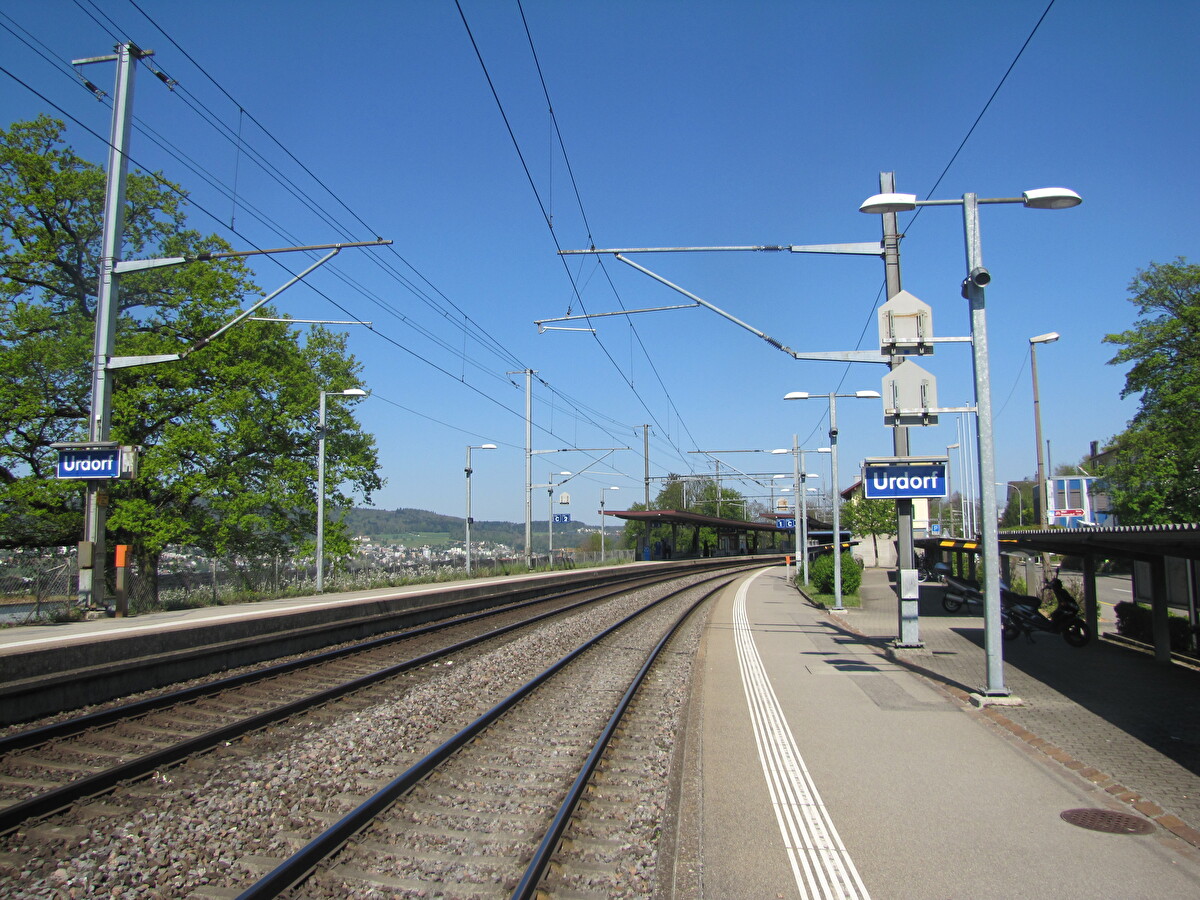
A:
<point x="1020" y="614"/>
<point x="959" y="591"/>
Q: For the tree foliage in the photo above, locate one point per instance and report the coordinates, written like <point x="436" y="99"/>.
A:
<point x="229" y="434"/>
<point x="701" y="496"/>
<point x="869" y="517"/>
<point x="1153" y="475"/>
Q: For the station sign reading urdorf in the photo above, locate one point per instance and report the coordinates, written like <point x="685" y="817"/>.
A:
<point x="894" y="479"/>
<point x="96" y="461"/>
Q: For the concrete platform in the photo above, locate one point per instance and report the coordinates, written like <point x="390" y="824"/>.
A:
<point x="823" y="764"/>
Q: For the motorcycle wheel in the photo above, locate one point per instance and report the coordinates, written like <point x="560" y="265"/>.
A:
<point x="951" y="604"/>
<point x="1010" y="630"/>
<point x="1076" y="633"/>
<point x="922" y="575"/>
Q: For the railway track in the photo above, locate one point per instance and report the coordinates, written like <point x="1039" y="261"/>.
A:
<point x="482" y="814"/>
<point x="145" y="780"/>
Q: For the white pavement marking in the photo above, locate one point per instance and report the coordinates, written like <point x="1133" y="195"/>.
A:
<point x="820" y="863"/>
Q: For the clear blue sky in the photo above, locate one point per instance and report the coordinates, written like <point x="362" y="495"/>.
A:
<point x="684" y="124"/>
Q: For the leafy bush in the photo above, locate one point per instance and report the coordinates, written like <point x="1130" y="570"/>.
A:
<point x="1136" y="622"/>
<point x="820" y="573"/>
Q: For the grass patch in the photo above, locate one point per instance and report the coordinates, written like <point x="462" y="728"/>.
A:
<point x="828" y="600"/>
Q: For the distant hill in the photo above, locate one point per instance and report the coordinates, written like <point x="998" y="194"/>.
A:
<point x="420" y="526"/>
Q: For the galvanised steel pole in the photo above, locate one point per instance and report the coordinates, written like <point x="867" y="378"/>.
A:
<point x="91" y="577"/>
<point x="804" y="507"/>
<point x="1040" y="499"/>
<point x="908" y="633"/>
<point x="468" y="471"/>
<point x="977" y="277"/>
<point x="321" y="495"/>
<point x="836" y="500"/>
<point x="796" y="501"/>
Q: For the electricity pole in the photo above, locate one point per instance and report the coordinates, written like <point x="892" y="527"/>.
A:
<point x="92" y="549"/>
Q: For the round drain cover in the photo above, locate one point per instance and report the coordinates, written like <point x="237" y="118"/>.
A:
<point x="1108" y="821"/>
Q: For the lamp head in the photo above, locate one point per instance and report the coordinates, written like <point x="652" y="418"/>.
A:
<point x="781" y="451"/>
<point x="1048" y="338"/>
<point x="889" y="203"/>
<point x="353" y="392"/>
<point x="867" y="395"/>
<point x="1051" y="198"/>
<point x="796" y="395"/>
<point x="824" y="449"/>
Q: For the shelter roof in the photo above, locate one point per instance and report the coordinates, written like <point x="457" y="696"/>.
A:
<point x="676" y="517"/>
<point x="1121" y="541"/>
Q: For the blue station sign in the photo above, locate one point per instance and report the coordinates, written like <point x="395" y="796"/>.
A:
<point x="562" y="518"/>
<point x="785" y="523"/>
<point x="96" y="461"/>
<point x="91" y="463"/>
<point x="898" y="481"/>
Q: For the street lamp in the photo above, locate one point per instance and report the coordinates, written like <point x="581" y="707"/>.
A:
<point x="1020" y="501"/>
<point x="1041" y="501"/>
<point x="972" y="290"/>
<point x="602" y="490"/>
<point x="351" y="392"/>
<point x="469" y="520"/>
<point x="949" y="492"/>
<point x="835" y="497"/>
<point x="799" y="477"/>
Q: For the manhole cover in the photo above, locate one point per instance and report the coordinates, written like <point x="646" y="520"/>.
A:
<point x="1108" y="821"/>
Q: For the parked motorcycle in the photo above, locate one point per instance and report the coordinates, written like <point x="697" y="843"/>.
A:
<point x="959" y="591"/>
<point x="1022" y="615"/>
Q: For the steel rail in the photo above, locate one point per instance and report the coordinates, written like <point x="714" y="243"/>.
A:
<point x="527" y="887"/>
<point x="57" y="730"/>
<point x="289" y="873"/>
<point x="51" y="801"/>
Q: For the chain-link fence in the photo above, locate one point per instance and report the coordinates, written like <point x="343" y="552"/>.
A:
<point x="39" y="586"/>
<point x="43" y="585"/>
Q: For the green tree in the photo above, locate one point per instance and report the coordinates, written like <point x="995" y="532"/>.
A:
<point x="1154" y="474"/>
<point x="869" y="517"/>
<point x="228" y="434"/>
<point x="702" y="497"/>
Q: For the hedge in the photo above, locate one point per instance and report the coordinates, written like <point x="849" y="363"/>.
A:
<point x="1135" y="622"/>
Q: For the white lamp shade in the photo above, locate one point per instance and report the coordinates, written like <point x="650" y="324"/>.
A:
<point x="889" y="203"/>
<point x="1051" y="198"/>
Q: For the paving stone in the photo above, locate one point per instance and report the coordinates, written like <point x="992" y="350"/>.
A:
<point x="1124" y="721"/>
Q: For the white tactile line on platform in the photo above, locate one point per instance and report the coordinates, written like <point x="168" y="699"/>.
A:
<point x="820" y="863"/>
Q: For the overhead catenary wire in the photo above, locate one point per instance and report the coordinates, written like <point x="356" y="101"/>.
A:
<point x="201" y="207"/>
<point x="544" y="212"/>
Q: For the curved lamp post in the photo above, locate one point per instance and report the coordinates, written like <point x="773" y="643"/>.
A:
<point x="1041" y="497"/>
<point x="351" y="392"/>
<point x="602" y="490"/>
<point x="835" y="498"/>
<point x="972" y="290"/>
<point x="469" y="520"/>
<point x="949" y="490"/>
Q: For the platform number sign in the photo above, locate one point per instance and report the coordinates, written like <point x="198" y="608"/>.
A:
<point x="562" y="518"/>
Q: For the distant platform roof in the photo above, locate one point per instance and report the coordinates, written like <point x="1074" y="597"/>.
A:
<point x="675" y="517"/>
